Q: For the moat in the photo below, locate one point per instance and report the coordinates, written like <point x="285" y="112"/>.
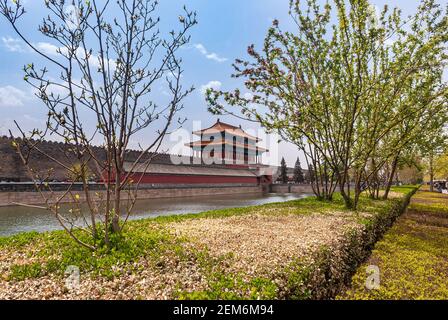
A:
<point x="15" y="220"/>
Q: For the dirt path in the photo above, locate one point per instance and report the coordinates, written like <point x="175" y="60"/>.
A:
<point x="413" y="256"/>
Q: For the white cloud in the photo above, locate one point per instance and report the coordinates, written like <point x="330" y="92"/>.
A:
<point x="47" y="48"/>
<point x="13" y="44"/>
<point x="17" y="45"/>
<point x="201" y="48"/>
<point x="11" y="96"/>
<point x="215" y="57"/>
<point x="211" y="85"/>
<point x="209" y="55"/>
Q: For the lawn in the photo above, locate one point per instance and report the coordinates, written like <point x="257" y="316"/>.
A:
<point x="303" y="249"/>
<point x="413" y="256"/>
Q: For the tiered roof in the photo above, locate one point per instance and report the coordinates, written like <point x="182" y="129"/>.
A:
<point x="220" y="127"/>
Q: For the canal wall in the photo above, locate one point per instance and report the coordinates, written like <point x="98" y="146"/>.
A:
<point x="290" y="188"/>
<point x="25" y="193"/>
<point x="153" y="192"/>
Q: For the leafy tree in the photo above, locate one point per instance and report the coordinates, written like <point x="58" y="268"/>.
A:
<point x="345" y="93"/>
<point x="109" y="57"/>
<point x="298" y="173"/>
<point x="441" y="166"/>
<point x="283" y="171"/>
<point x="411" y="172"/>
<point x="434" y="146"/>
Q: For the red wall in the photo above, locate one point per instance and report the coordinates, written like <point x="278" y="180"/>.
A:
<point x="184" y="179"/>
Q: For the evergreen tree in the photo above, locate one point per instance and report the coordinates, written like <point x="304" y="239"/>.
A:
<point x="283" y="171"/>
<point x="298" y="173"/>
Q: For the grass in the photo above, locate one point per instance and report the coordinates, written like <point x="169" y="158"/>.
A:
<point x="412" y="257"/>
<point x="57" y="251"/>
<point x="150" y="239"/>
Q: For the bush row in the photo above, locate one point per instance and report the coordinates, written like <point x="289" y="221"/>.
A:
<point x="333" y="267"/>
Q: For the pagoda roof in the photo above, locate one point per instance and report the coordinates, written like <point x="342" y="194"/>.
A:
<point x="220" y="127"/>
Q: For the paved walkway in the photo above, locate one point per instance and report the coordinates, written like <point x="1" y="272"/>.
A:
<point x="412" y="257"/>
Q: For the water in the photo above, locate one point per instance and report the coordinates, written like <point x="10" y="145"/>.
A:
<point x="15" y="220"/>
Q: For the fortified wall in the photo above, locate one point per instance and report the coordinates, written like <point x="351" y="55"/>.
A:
<point x="13" y="170"/>
<point x="162" y="180"/>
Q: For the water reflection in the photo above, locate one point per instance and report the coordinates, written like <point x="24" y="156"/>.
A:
<point x="15" y="220"/>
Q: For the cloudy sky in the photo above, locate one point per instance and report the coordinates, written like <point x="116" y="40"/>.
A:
<point x="225" y="29"/>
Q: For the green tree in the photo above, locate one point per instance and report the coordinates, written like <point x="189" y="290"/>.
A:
<point x="298" y="173"/>
<point x="441" y="166"/>
<point x="283" y="171"/>
<point x="434" y="146"/>
<point x="341" y="91"/>
<point x="411" y="171"/>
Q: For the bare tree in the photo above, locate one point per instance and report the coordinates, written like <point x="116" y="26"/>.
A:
<point x="104" y="70"/>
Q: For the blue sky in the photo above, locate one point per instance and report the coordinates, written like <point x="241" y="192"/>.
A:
<point x="225" y="29"/>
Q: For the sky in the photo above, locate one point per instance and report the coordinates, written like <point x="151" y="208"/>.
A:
<point x="224" y="31"/>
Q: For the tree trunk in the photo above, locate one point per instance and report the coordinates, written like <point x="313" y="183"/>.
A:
<point x="358" y="191"/>
<point x="391" y="177"/>
<point x="92" y="213"/>
<point x="346" y="196"/>
<point x="116" y="215"/>
<point x="431" y="173"/>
